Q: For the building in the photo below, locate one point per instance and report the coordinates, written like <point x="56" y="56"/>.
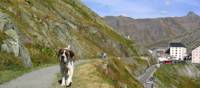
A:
<point x="196" y="55"/>
<point x="177" y="51"/>
<point x="127" y="36"/>
<point x="160" y="52"/>
<point x="157" y="52"/>
<point x="161" y="59"/>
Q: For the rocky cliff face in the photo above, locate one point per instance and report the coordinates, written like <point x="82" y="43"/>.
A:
<point x="12" y="44"/>
<point x="36" y="29"/>
<point x="159" y="31"/>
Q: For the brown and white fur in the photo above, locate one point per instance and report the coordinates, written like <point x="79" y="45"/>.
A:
<point x="66" y="59"/>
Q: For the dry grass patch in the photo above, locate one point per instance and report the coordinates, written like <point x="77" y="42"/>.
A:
<point x="87" y="76"/>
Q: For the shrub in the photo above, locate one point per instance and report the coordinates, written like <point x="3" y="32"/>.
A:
<point x="2" y="37"/>
<point x="10" y="67"/>
<point x="9" y="62"/>
<point x="41" y="55"/>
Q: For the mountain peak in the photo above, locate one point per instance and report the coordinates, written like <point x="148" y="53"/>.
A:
<point x="191" y="13"/>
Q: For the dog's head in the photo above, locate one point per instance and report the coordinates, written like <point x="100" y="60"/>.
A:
<point x="65" y="54"/>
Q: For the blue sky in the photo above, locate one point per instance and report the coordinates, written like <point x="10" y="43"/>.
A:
<point x="143" y="8"/>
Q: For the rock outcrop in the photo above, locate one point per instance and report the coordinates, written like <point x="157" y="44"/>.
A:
<point x="13" y="44"/>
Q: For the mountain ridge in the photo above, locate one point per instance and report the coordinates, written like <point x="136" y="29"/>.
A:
<point x="156" y="32"/>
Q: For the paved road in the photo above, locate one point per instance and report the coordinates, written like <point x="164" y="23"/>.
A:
<point x="42" y="78"/>
<point x="146" y="76"/>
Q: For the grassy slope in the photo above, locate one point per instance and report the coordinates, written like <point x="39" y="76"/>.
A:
<point x="39" y="22"/>
<point x="93" y="74"/>
<point x="2" y="37"/>
<point x="169" y="76"/>
<point x="10" y="67"/>
<point x="121" y="74"/>
<point x="32" y="20"/>
<point x="87" y="76"/>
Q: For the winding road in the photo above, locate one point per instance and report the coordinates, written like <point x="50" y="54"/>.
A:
<point x="145" y="77"/>
<point x="43" y="78"/>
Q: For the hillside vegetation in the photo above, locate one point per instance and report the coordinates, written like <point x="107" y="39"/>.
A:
<point x="110" y="73"/>
<point x="178" y="76"/>
<point x="34" y="30"/>
<point x="47" y="25"/>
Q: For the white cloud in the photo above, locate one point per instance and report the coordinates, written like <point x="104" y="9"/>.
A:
<point x="124" y="14"/>
<point x="106" y="2"/>
<point x="141" y="8"/>
<point x="168" y="2"/>
<point x="190" y="2"/>
<point x="164" y="12"/>
<point x="125" y="7"/>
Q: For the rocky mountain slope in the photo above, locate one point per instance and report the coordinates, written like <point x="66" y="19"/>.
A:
<point x="34" y="30"/>
<point x="159" y="31"/>
<point x="33" y="25"/>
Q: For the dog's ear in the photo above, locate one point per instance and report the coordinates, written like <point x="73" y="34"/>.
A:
<point x="71" y="53"/>
<point x="59" y="52"/>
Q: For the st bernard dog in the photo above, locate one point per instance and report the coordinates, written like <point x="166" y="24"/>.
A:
<point x="66" y="59"/>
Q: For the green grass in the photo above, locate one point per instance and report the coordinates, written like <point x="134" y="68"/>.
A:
<point x="168" y="75"/>
<point x="87" y="76"/>
<point x="10" y="67"/>
<point x="2" y="37"/>
<point x="42" y="55"/>
<point x="7" y="75"/>
<point x="10" y="74"/>
<point x="9" y="61"/>
<point x="91" y="74"/>
<point x="117" y="72"/>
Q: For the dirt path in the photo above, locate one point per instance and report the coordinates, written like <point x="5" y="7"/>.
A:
<point x="42" y="78"/>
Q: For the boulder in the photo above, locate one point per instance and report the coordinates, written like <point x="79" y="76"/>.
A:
<point x="24" y="54"/>
<point x="12" y="44"/>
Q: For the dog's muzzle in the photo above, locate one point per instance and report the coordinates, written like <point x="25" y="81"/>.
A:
<point x="63" y="59"/>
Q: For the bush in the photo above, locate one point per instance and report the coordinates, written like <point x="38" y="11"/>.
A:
<point x="41" y="55"/>
<point x="10" y="67"/>
<point x="9" y="62"/>
<point x="2" y="37"/>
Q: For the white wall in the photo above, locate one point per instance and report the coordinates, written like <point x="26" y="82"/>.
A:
<point x="178" y="52"/>
<point x="196" y="55"/>
<point x="163" y="59"/>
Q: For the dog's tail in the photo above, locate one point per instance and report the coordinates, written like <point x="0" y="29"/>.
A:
<point x="68" y="47"/>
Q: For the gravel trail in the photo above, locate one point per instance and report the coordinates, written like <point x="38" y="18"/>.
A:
<point x="42" y="78"/>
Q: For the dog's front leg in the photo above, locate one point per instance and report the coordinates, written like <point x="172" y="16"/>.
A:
<point x="63" y="81"/>
<point x="70" y="74"/>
